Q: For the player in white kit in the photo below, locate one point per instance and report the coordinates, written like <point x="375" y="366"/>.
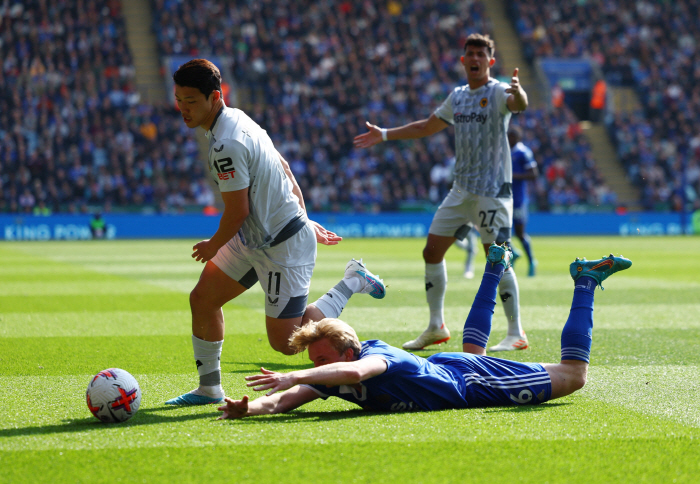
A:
<point x="481" y="195"/>
<point x="264" y="234"/>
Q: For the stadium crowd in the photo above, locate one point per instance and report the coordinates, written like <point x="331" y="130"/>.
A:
<point x="74" y="135"/>
<point x="327" y="67"/>
<point x="653" y="46"/>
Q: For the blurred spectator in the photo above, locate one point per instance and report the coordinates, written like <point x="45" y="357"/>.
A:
<point x="73" y="135"/>
<point x="652" y="46"/>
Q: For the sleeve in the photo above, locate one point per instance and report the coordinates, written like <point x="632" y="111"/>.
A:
<point x="502" y="97"/>
<point x="392" y="356"/>
<point x="316" y="389"/>
<point x="229" y="165"/>
<point x="445" y="112"/>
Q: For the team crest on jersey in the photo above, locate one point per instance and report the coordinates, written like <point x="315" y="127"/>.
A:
<point x="484" y="102"/>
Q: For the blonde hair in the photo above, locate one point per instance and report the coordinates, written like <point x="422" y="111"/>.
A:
<point x="340" y="334"/>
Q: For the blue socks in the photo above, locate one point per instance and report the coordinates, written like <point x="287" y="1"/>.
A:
<point x="576" y="337"/>
<point x="477" y="327"/>
<point x="526" y="245"/>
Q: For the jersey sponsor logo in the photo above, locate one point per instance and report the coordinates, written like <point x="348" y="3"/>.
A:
<point x="224" y="168"/>
<point x="220" y="148"/>
<point x="484" y="102"/>
<point x="403" y="407"/>
<point x="226" y="176"/>
<point x="470" y="118"/>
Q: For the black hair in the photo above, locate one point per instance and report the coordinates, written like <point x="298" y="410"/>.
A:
<point x="199" y="73"/>
<point x="479" y="40"/>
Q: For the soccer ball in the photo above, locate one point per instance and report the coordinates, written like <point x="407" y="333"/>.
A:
<point x="113" y="395"/>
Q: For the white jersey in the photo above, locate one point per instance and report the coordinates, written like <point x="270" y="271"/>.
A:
<point x="480" y="118"/>
<point x="241" y="155"/>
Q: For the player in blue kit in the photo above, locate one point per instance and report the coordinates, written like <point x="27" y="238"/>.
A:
<point x="524" y="171"/>
<point x="377" y="376"/>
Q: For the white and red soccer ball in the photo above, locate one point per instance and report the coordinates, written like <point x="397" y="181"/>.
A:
<point x="113" y="395"/>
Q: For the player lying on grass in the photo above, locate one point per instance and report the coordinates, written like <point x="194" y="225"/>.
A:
<point x="377" y="376"/>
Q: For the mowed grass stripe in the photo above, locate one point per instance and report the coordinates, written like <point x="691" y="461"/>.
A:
<point x="627" y="461"/>
<point x="22" y="356"/>
<point x="66" y="417"/>
<point x="615" y="430"/>
<point x="647" y="389"/>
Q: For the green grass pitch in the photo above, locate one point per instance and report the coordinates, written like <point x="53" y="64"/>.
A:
<point x="68" y="310"/>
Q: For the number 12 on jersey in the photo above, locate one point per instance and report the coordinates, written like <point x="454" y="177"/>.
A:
<point x="224" y="168"/>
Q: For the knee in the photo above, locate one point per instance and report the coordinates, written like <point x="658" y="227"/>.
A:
<point x="198" y="299"/>
<point x="579" y="382"/>
<point x="283" y="348"/>
<point x="195" y="298"/>
<point x="430" y="256"/>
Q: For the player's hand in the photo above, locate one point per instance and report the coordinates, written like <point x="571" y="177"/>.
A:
<point x="204" y="251"/>
<point x="370" y="138"/>
<point x="234" y="408"/>
<point x="325" y="237"/>
<point x="514" y="83"/>
<point x="271" y="380"/>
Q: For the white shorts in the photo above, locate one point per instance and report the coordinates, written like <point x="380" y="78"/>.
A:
<point x="461" y="210"/>
<point x="284" y="271"/>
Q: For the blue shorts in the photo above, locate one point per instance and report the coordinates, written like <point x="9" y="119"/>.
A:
<point x="492" y="381"/>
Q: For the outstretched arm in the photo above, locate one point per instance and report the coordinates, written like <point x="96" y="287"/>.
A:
<point x="277" y="403"/>
<point x="416" y="129"/>
<point x="333" y="374"/>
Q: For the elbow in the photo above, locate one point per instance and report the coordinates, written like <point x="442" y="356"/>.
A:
<point x="354" y="376"/>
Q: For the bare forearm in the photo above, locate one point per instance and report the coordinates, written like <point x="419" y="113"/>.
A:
<point x="333" y="375"/>
<point x="295" y="186"/>
<point x="229" y="225"/>
<point x="520" y="101"/>
<point x="414" y="130"/>
<point x="266" y="405"/>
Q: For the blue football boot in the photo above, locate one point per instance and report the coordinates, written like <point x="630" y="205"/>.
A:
<point x="600" y="269"/>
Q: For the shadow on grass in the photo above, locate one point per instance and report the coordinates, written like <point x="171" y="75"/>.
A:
<point x="153" y="416"/>
<point x="255" y="366"/>
<point x="300" y="416"/>
<point x="146" y="416"/>
<point x="525" y="408"/>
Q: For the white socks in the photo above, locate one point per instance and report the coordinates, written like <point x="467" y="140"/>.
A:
<point x="510" y="295"/>
<point x="435" y="287"/>
<point x="332" y="303"/>
<point x="207" y="354"/>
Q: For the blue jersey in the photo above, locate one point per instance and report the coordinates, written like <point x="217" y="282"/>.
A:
<point x="523" y="161"/>
<point x="442" y="381"/>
